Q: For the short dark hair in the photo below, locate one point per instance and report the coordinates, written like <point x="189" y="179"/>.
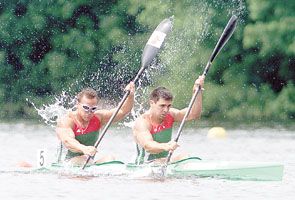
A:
<point x="161" y="92"/>
<point x="87" y="92"/>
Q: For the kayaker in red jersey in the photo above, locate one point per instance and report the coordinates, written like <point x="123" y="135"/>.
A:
<point x="153" y="129"/>
<point x="79" y="129"/>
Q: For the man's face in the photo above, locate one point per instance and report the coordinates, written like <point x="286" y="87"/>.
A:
<point x="87" y="107"/>
<point x="161" y="107"/>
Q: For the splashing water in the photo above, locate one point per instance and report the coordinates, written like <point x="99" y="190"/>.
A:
<point x="52" y="112"/>
<point x="66" y="102"/>
<point x="141" y="94"/>
<point x="183" y="43"/>
<point x="182" y="59"/>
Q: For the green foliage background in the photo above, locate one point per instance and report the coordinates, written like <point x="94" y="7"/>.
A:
<point x="47" y="47"/>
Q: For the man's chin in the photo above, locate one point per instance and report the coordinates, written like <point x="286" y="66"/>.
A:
<point x="163" y="116"/>
<point x="87" y="118"/>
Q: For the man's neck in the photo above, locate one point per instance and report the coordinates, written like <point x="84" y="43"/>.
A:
<point x="155" y="119"/>
<point x="81" y="120"/>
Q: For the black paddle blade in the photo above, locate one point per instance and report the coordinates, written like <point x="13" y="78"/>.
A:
<point x="155" y="42"/>
<point x="227" y="33"/>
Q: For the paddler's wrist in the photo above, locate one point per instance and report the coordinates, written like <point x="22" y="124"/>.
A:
<point x="165" y="147"/>
<point x="202" y="89"/>
<point x="82" y="148"/>
<point x="131" y="97"/>
<point x="198" y="87"/>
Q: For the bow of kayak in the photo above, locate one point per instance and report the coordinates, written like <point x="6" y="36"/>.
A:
<point x="257" y="171"/>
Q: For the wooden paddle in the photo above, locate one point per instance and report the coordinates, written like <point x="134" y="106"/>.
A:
<point x="227" y="33"/>
<point x="150" y="51"/>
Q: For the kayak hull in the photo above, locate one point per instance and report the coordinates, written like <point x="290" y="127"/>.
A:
<point x="190" y="167"/>
<point x="229" y="170"/>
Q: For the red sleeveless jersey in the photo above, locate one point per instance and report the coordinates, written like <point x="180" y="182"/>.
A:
<point x="167" y="123"/>
<point x="94" y="125"/>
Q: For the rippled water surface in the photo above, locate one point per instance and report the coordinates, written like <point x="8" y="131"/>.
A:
<point x="22" y="141"/>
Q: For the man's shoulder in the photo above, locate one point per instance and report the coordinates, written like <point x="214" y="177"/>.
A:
<point x="172" y="111"/>
<point x="144" y="117"/>
<point x="99" y="114"/>
<point x="142" y="120"/>
<point x="67" y="119"/>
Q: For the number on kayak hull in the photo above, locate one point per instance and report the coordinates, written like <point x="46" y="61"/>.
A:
<point x="41" y="158"/>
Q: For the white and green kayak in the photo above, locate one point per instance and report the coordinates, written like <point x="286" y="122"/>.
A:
<point x="195" y="167"/>
<point x="190" y="167"/>
<point x="229" y="170"/>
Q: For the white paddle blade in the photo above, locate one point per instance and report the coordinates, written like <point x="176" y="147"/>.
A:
<point x="156" y="41"/>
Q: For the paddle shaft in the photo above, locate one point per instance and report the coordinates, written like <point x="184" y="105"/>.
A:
<point x="188" y="111"/>
<point x="114" y="115"/>
<point x="228" y="31"/>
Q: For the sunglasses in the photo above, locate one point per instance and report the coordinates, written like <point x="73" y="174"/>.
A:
<point x="88" y="108"/>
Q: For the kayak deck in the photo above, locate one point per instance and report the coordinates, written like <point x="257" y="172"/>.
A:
<point x="229" y="170"/>
<point x="190" y="167"/>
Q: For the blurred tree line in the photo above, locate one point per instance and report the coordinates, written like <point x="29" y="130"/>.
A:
<point x="51" y="46"/>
